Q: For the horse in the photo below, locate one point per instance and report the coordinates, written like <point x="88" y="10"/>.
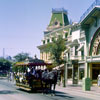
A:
<point x="50" y="80"/>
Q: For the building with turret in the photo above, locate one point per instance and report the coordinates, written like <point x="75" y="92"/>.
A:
<point x="82" y="42"/>
<point x="58" y="25"/>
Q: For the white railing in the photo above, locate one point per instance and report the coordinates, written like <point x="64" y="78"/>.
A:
<point x="93" y="58"/>
<point x="95" y="3"/>
<point x="56" y="10"/>
<point x="74" y="57"/>
<point x="79" y="58"/>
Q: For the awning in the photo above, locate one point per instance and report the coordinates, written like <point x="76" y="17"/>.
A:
<point x="59" y="67"/>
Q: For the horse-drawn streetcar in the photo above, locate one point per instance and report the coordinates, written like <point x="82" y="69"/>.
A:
<point x="30" y="75"/>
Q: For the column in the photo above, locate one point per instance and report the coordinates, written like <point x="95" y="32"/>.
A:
<point x="90" y="71"/>
<point x="78" y="73"/>
<point x="86" y="70"/>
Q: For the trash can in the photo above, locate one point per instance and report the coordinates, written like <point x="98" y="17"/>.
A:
<point x="75" y="81"/>
<point x="86" y="85"/>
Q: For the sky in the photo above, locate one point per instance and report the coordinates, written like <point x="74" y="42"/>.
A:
<point x="22" y="22"/>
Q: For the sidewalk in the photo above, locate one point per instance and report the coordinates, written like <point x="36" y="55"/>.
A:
<point x="76" y="90"/>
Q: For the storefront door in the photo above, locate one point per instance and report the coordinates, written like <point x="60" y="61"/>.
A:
<point x="95" y="72"/>
<point x="75" y="74"/>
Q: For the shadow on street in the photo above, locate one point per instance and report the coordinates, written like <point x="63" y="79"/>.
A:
<point x="8" y="92"/>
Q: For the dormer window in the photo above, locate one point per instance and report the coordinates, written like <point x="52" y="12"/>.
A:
<point x="56" y="23"/>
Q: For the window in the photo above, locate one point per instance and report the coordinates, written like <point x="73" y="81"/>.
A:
<point x="48" y="40"/>
<point x="66" y="35"/>
<point x="56" y="23"/>
<point x="98" y="51"/>
<point x="69" y="73"/>
<point x="42" y="55"/>
<point x="53" y="39"/>
<point x="68" y="56"/>
<point x="81" y="73"/>
<point x="76" y="53"/>
<point x="43" y="41"/>
<point x="82" y="54"/>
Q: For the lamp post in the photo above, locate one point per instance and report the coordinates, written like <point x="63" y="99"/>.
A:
<point x="65" y="72"/>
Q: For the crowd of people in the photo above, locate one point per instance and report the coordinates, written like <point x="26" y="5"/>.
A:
<point x="30" y="73"/>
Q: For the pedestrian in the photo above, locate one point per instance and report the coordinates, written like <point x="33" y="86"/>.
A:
<point x="33" y="71"/>
<point x="98" y="80"/>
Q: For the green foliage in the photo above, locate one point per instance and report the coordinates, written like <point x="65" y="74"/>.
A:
<point x="4" y="64"/>
<point x="21" y="57"/>
<point x="56" y="48"/>
<point x="18" y="68"/>
<point x="14" y="68"/>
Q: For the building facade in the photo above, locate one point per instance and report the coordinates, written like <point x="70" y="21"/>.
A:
<point x="82" y="42"/>
<point x="59" y="25"/>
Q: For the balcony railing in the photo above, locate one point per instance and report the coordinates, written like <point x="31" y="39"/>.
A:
<point x="79" y="58"/>
<point x="57" y="10"/>
<point x="74" y="57"/>
<point x="95" y="3"/>
<point x="93" y="58"/>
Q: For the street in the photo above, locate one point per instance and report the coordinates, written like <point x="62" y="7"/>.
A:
<point x="8" y="91"/>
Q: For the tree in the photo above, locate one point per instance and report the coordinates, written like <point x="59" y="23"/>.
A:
<point x="4" y="64"/>
<point x="21" y="57"/>
<point x="56" y="48"/>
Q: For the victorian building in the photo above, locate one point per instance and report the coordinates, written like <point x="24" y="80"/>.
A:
<point x="59" y="25"/>
<point x="82" y="42"/>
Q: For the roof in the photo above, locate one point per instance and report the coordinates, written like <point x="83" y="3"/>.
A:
<point x="93" y="5"/>
<point x="59" y="15"/>
<point x="34" y="62"/>
<point x="91" y="16"/>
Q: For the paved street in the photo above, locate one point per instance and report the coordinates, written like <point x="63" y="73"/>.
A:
<point x="8" y="91"/>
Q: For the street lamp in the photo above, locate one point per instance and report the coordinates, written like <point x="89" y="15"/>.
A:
<point x="65" y="71"/>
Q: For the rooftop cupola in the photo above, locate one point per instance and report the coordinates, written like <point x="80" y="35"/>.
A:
<point x="59" y="18"/>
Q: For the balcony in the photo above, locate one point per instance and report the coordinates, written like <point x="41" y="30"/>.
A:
<point x="93" y="59"/>
<point x="79" y="58"/>
<point x="74" y="58"/>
